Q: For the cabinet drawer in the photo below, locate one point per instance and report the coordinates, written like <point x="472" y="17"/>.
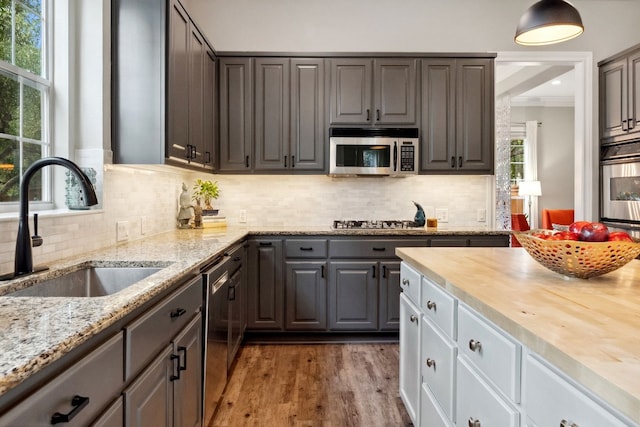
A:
<point x="437" y="365"/>
<point x="478" y="401"/>
<point x="370" y="248"/>
<point x="86" y="378"/>
<point x="431" y="414"/>
<point x="149" y="333"/>
<point x="496" y="355"/>
<point x="410" y="282"/>
<point x="306" y="248"/>
<point x="549" y="399"/>
<point x="439" y="306"/>
<point x="237" y="257"/>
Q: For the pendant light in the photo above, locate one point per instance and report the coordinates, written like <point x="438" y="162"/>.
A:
<point x="548" y="22"/>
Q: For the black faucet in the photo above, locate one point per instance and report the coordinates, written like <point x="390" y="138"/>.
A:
<point x="24" y="260"/>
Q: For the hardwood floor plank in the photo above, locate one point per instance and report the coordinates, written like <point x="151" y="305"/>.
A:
<point x="314" y="385"/>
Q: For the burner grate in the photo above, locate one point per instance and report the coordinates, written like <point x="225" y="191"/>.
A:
<point x="374" y="224"/>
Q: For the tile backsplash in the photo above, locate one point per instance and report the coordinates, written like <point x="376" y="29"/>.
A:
<point x="146" y="198"/>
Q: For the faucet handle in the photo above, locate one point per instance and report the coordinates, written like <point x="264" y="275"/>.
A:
<point x="35" y="239"/>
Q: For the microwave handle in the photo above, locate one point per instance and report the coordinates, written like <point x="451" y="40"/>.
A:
<point x="395" y="156"/>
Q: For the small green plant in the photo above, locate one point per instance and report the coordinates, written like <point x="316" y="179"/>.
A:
<point x="206" y="191"/>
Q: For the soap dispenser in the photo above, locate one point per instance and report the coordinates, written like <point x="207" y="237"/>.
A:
<point x="419" y="219"/>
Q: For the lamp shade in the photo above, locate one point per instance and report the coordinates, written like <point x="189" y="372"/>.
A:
<point x="548" y="22"/>
<point x="529" y="188"/>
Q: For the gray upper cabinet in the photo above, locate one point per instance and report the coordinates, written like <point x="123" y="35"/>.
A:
<point x="271" y="113"/>
<point x="372" y="92"/>
<point x="236" y="119"/>
<point x="160" y="98"/>
<point x="457" y="115"/>
<point x="619" y="83"/>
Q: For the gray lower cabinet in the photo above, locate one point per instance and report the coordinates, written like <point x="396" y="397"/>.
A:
<point x="113" y="416"/>
<point x="80" y="392"/>
<point x="265" y="291"/>
<point x="306" y="295"/>
<point x="457" y="115"/>
<point x="169" y="391"/>
<point x="353" y="295"/>
<point x="389" y="302"/>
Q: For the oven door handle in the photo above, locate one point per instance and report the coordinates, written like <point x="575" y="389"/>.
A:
<point x="395" y="156"/>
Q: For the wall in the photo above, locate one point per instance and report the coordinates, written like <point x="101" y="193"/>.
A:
<point x="555" y="153"/>
<point x="147" y="199"/>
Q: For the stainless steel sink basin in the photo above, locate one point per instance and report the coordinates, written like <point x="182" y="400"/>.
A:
<point x="88" y="282"/>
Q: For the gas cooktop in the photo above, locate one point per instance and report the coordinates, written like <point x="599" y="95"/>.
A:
<point x="374" y="224"/>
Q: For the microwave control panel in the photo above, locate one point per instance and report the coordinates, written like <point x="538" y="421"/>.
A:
<point x="407" y="158"/>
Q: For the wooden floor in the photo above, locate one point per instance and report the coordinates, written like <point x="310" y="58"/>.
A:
<point x="325" y="385"/>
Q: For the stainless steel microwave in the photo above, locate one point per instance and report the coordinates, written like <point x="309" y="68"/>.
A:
<point x="373" y="151"/>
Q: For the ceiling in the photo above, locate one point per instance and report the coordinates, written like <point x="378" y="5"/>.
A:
<point x="536" y="85"/>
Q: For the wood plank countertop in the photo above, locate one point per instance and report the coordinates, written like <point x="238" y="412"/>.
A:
<point x="589" y="329"/>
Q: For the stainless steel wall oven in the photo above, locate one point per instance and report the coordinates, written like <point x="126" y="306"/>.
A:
<point x="620" y="186"/>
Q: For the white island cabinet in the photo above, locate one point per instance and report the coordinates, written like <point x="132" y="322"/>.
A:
<point x="467" y="364"/>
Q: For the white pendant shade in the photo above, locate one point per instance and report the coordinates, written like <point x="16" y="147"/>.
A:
<point x="548" y="22"/>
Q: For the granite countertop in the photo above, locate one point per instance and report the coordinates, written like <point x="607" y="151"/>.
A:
<point x="587" y="328"/>
<point x="35" y="331"/>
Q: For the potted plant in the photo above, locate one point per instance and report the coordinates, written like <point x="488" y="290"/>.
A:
<point x="206" y="191"/>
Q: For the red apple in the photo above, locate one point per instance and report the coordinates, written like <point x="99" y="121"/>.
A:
<point x="594" y="232"/>
<point x="576" y="227"/>
<point x="619" y="236"/>
<point x="569" y="235"/>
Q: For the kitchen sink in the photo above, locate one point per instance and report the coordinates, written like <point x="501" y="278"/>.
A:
<point x="88" y="282"/>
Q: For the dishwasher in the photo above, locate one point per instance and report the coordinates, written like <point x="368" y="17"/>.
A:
<point x="216" y="332"/>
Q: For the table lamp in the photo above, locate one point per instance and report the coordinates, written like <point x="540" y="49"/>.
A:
<point x="529" y="189"/>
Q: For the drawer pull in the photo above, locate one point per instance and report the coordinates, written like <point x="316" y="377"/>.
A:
<point x="475" y="345"/>
<point x="405" y="282"/>
<point x="565" y="423"/>
<point x="236" y="258"/>
<point x="380" y="249"/>
<point x="413" y="318"/>
<point x="431" y="363"/>
<point x="474" y="423"/>
<point x="178" y="312"/>
<point x="78" y="403"/>
<point x="266" y="243"/>
<point x="431" y="305"/>
<point x="302" y="248"/>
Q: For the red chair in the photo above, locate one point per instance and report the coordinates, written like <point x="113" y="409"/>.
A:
<point x="556" y="216"/>
<point x="518" y="223"/>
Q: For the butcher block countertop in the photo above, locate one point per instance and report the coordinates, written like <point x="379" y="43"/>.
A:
<point x="587" y="328"/>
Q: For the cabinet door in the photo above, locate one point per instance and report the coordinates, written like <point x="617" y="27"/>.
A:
<point x="235" y="114"/>
<point x="306" y="295"/>
<point x="613" y="98"/>
<point x="634" y="94"/>
<point x="209" y="113"/>
<point x="410" y="357"/>
<point x="266" y="287"/>
<point x="437" y="122"/>
<point x="113" y="416"/>
<point x="149" y="399"/>
<point x="178" y="82"/>
<point x="307" y="115"/>
<point x="437" y="364"/>
<point x="389" y="296"/>
<point x="197" y="59"/>
<point x="271" y="114"/>
<point x="353" y="295"/>
<point x="351" y="86"/>
<point x="188" y="388"/>
<point x="477" y="402"/>
<point x="236" y="312"/>
<point x="474" y="115"/>
<point x="394" y="91"/>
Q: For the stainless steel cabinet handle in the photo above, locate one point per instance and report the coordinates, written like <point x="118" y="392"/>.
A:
<point x="431" y="363"/>
<point x="475" y="345"/>
<point x="405" y="282"/>
<point x="565" y="423"/>
<point x="431" y="305"/>
<point x="413" y="318"/>
<point x="474" y="423"/>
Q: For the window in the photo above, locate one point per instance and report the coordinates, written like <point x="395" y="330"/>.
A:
<point x="517" y="161"/>
<point x="24" y="96"/>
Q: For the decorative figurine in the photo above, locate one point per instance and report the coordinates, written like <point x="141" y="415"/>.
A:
<point x="184" y="212"/>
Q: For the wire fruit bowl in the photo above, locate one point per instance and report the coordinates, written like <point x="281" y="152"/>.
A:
<point x="575" y="258"/>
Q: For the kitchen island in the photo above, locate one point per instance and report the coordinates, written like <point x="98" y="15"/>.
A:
<point x="586" y="329"/>
<point x="36" y="332"/>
